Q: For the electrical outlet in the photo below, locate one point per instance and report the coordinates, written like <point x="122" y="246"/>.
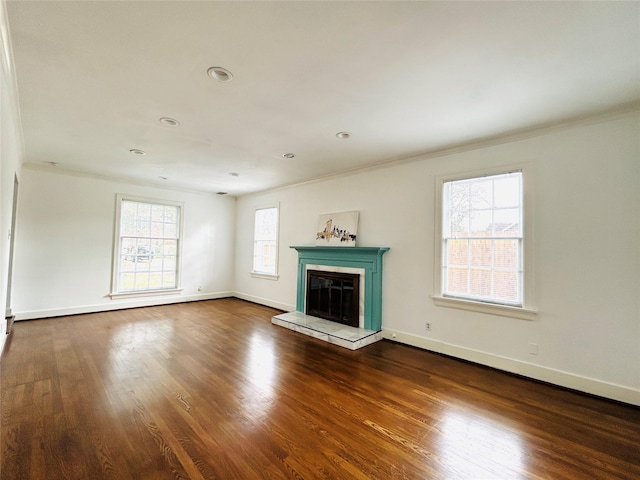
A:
<point x="427" y="326"/>
<point x="533" y="348"/>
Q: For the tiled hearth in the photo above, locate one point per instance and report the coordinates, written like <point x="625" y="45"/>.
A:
<point x="345" y="336"/>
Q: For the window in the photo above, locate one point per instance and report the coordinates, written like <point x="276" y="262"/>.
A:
<point x="265" y="242"/>
<point x="147" y="246"/>
<point x="481" y="253"/>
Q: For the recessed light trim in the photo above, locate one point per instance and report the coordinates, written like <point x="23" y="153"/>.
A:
<point x="220" y="74"/>
<point x="221" y="193"/>
<point x="288" y="155"/>
<point x="234" y="174"/>
<point x="137" y="151"/>
<point x="169" y="122"/>
<point x="54" y="164"/>
<point x="343" y="135"/>
<point x="163" y="178"/>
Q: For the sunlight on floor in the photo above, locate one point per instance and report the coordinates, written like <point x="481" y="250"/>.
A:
<point x="475" y="447"/>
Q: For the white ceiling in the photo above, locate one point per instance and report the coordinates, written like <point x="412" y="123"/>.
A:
<point x="405" y="78"/>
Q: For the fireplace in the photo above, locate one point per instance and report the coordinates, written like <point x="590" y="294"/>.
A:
<point x="368" y="260"/>
<point x="356" y="272"/>
<point x="333" y="296"/>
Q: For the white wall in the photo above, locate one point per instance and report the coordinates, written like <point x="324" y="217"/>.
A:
<point x="64" y="245"/>
<point x="10" y="159"/>
<point x="586" y="251"/>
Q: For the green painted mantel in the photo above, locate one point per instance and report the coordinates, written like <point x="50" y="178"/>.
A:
<point x="367" y="258"/>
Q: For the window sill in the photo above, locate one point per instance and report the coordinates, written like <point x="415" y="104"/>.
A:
<point x="147" y="293"/>
<point x="503" y="310"/>
<point x="265" y="276"/>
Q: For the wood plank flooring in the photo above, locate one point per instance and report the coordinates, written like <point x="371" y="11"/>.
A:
<point x="212" y="390"/>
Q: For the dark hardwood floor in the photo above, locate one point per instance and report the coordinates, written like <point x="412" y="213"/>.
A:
<point x="213" y="390"/>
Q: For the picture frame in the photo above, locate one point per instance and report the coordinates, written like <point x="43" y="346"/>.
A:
<point x="337" y="229"/>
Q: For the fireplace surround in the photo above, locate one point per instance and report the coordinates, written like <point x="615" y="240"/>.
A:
<point x="368" y="259"/>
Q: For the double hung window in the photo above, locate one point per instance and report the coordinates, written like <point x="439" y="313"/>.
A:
<point x="265" y="242"/>
<point x="147" y="246"/>
<point x="481" y="252"/>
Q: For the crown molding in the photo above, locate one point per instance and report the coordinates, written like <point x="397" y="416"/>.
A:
<point x="615" y="113"/>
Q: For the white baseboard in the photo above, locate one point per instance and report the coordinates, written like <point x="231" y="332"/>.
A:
<point x="537" y="372"/>
<point x="119" y="305"/>
<point x="264" y="301"/>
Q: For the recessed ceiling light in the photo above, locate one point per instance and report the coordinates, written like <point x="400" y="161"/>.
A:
<point x="220" y="74"/>
<point x="137" y="151"/>
<point x="221" y="193"/>
<point x="169" y="122"/>
<point x="163" y="178"/>
<point x="54" y="164"/>
<point x="234" y="174"/>
<point x="288" y="155"/>
<point x="343" y="135"/>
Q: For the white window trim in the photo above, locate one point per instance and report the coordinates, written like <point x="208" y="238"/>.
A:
<point x="527" y="311"/>
<point x="266" y="275"/>
<point x="120" y="197"/>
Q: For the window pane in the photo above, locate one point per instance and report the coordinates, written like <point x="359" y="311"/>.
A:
<point x="157" y="213"/>
<point x="169" y="263"/>
<point x="170" y="247"/>
<point x="155" y="280"/>
<point x="507" y="223"/>
<point x="505" y="254"/>
<point x="142" y="282"/>
<point x="170" y="214"/>
<point x="481" y="222"/>
<point x="458" y="252"/>
<point x="481" y="194"/>
<point x="457" y="280"/>
<point x="157" y="229"/>
<point x="128" y="218"/>
<point x="506" y="286"/>
<point x="144" y="211"/>
<point x="168" y="279"/>
<point x="128" y="245"/>
<point x="480" y="283"/>
<point x="126" y="281"/>
<point x="481" y="253"/>
<point x="507" y="191"/>
<point x="170" y="230"/>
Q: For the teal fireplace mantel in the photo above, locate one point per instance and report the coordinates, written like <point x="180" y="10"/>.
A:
<point x="367" y="258"/>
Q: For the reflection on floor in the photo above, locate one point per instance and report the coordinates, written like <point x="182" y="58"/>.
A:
<point x="345" y="336"/>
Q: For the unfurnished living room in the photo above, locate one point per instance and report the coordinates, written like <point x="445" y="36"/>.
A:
<point x="320" y="240"/>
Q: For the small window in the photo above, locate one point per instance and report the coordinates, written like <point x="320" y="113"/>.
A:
<point x="265" y="242"/>
<point x="147" y="246"/>
<point x="481" y="253"/>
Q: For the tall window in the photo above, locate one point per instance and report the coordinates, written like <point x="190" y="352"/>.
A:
<point x="265" y="241"/>
<point x="482" y="239"/>
<point x="147" y="245"/>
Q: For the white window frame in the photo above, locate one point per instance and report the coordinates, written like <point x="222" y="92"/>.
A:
<point x="115" y="269"/>
<point x="526" y="311"/>
<point x="266" y="275"/>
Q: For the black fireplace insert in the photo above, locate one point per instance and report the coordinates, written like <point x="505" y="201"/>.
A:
<point x="333" y="296"/>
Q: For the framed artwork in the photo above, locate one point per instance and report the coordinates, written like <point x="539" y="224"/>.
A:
<point x="337" y="229"/>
